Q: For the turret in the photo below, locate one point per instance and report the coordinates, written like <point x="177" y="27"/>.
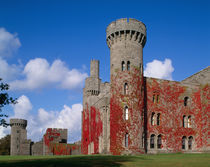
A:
<point x="18" y="135"/>
<point x="126" y="39"/>
<point x="94" y="68"/>
<point x="92" y="83"/>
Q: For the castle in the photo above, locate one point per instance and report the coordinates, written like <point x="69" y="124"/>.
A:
<point x="134" y="114"/>
<point x="54" y="141"/>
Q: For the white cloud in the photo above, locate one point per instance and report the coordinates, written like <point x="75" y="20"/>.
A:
<point x="9" y="43"/>
<point x="68" y="117"/>
<point x="159" y="69"/>
<point x="8" y="72"/>
<point x="39" y="73"/>
<point x="22" y="108"/>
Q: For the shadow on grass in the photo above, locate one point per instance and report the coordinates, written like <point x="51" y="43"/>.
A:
<point x="74" y="161"/>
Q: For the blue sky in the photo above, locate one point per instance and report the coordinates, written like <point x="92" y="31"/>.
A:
<point x="46" y="47"/>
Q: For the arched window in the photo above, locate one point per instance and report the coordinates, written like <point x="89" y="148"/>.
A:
<point x="128" y="65"/>
<point x="190" y="142"/>
<point x="157" y="98"/>
<point x="184" y="142"/>
<point x="125" y="89"/>
<point x="153" y="98"/>
<point x="152" y="141"/>
<point x="153" y="119"/>
<point x="183" y="121"/>
<point x="159" y="141"/>
<point x="126" y="140"/>
<point x="189" y="123"/>
<point x="126" y="113"/>
<point x="186" y="100"/>
<point x="142" y="140"/>
<point x="158" y="119"/>
<point x="123" y="66"/>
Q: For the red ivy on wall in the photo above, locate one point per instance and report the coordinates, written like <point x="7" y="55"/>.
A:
<point x="91" y="129"/>
<point x="55" y="148"/>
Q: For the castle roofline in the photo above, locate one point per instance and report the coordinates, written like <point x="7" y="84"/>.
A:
<point x="197" y="73"/>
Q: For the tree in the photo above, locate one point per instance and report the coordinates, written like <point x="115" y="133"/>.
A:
<point x="5" y="145"/>
<point x="5" y="99"/>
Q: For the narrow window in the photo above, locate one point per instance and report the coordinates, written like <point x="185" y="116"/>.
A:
<point x="183" y="142"/>
<point x="128" y="65"/>
<point x="183" y="121"/>
<point x="126" y="113"/>
<point x="186" y="101"/>
<point x="152" y="141"/>
<point x="143" y="140"/>
<point x="189" y="122"/>
<point x="153" y="119"/>
<point x="125" y="89"/>
<point x="158" y="119"/>
<point x="126" y="140"/>
<point x="123" y="66"/>
<point x="159" y="141"/>
<point x="157" y="98"/>
<point x="190" y="140"/>
<point x="153" y="99"/>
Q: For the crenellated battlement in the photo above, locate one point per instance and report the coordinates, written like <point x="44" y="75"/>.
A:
<point x="126" y="29"/>
<point x="18" y="122"/>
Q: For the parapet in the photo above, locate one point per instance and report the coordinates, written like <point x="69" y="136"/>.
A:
<point x="130" y="28"/>
<point x="18" y="122"/>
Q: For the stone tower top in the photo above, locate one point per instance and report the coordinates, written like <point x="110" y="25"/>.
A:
<point x="94" y="68"/>
<point x="18" y="122"/>
<point x="127" y="29"/>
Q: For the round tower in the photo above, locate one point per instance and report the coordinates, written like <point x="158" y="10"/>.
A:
<point x="126" y="39"/>
<point x="18" y="135"/>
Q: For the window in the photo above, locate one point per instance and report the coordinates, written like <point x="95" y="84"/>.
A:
<point x="125" y="89"/>
<point x="186" y="100"/>
<point x="183" y="121"/>
<point x="123" y="66"/>
<point x="153" y="99"/>
<point x="157" y="98"/>
<point x="189" y="122"/>
<point x="128" y="65"/>
<point x="153" y="119"/>
<point x="159" y="142"/>
<point x="190" y="140"/>
<point x="158" y="119"/>
<point x="183" y="142"/>
<point x="142" y="140"/>
<point x="126" y="113"/>
<point x="126" y="140"/>
<point x="152" y="141"/>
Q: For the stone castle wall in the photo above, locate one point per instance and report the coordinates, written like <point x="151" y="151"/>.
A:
<point x="54" y="141"/>
<point x="162" y="116"/>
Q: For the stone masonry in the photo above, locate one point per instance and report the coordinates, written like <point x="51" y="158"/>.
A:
<point x="19" y="143"/>
<point x="54" y="141"/>
<point x="134" y="114"/>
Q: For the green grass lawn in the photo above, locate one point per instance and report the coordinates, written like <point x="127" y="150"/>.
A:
<point x="159" y="160"/>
